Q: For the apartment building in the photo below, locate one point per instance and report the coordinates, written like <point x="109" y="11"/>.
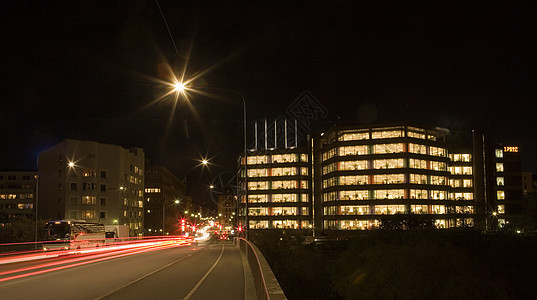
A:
<point x="92" y="181"/>
<point x="17" y="194"/>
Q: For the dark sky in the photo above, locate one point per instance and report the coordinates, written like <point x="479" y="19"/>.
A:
<point x="85" y="70"/>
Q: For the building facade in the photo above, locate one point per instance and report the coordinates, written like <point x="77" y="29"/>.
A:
<point x="227" y="206"/>
<point x="92" y="181"/>
<point x="279" y="194"/>
<point x="371" y="173"/>
<point x="165" y="201"/>
<point x="365" y="177"/>
<point x="17" y="194"/>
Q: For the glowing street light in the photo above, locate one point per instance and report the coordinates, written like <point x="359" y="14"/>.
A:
<point x="71" y="164"/>
<point x="179" y="87"/>
<point x="205" y="162"/>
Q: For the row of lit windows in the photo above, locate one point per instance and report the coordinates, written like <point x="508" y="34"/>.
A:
<point x="276" y="158"/>
<point x="132" y="214"/>
<point x="133" y="202"/>
<point x="458" y="170"/>
<point x="383" y="149"/>
<point x="277" y="198"/>
<point x="349" y="210"/>
<point x="388" y="194"/>
<point x="16" y="196"/>
<point x="277" y="211"/>
<point x="87" y="200"/>
<point x="384" y="179"/>
<point x="466" y="183"/>
<point x="354" y="135"/>
<point x="394" y="163"/>
<point x="279" y="224"/>
<point x="277" y="184"/>
<point x="17" y="206"/>
<point x="152" y="190"/>
<point x="289" y="171"/>
<point x="374" y="224"/>
<point x="462" y="157"/>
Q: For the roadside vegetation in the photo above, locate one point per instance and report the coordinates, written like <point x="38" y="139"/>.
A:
<point x="396" y="264"/>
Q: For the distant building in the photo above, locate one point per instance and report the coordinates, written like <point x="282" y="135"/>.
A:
<point x="529" y="183"/>
<point x="162" y="191"/>
<point x="92" y="181"/>
<point x="226" y="208"/>
<point x="360" y="177"/>
<point x="17" y="194"/>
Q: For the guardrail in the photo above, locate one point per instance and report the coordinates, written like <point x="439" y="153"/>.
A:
<point x="266" y="284"/>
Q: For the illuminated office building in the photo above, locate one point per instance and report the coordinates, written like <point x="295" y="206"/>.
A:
<point x="371" y="173"/>
<point x="278" y="189"/>
<point x="360" y="177"/>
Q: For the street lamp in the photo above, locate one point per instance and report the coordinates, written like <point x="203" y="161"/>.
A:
<point x="164" y="214"/>
<point x="180" y="87"/>
<point x="36" y="203"/>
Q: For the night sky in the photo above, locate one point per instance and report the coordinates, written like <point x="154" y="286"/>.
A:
<point x="91" y="69"/>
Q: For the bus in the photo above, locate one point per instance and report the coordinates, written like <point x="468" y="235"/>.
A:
<point x="73" y="234"/>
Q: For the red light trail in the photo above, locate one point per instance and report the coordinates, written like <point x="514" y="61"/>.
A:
<point x="91" y="256"/>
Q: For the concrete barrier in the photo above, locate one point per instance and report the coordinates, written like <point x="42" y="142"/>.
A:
<point x="266" y="285"/>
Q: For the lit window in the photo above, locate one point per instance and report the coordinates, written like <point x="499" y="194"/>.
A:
<point x="353" y="195"/>
<point x="416" y="148"/>
<point x="499" y="153"/>
<point x="354" y="210"/>
<point x="418" y="194"/>
<point x="284" y="158"/>
<point x="88" y="200"/>
<point x="388" y="163"/>
<point x="352" y="150"/>
<point x="387" y="148"/>
<point x="467" y="183"/>
<point x="501" y="209"/>
<point x="350" y="180"/>
<point x="499" y="167"/>
<point x="386" y="134"/>
<point x="389" y="194"/>
<point x="388" y="178"/>
<point x="354" y="136"/>
<point x="418" y="178"/>
<point x="257" y="185"/>
<point x="257" y="198"/>
<point x="415" y="135"/>
<point x="389" y="209"/>
<point x="352" y="165"/>
<point x="500" y="181"/>
<point x="88" y="214"/>
<point x="283" y="198"/>
<point x="500" y="195"/>
<point x="419" y="209"/>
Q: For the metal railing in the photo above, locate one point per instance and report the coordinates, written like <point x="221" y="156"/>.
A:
<point x="266" y="284"/>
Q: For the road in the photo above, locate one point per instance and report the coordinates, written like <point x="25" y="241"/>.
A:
<point x="205" y="271"/>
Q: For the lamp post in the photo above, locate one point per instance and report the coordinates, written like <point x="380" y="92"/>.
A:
<point x="164" y="214"/>
<point x="181" y="88"/>
<point x="36" y="203"/>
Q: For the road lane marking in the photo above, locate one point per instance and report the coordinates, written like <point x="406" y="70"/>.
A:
<point x="204" y="276"/>
<point x="143" y="277"/>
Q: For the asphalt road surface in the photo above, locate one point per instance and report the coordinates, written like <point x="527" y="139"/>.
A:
<point x="205" y="271"/>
